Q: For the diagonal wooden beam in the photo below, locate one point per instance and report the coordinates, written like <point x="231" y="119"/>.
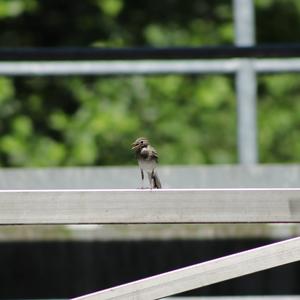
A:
<point x="203" y="274"/>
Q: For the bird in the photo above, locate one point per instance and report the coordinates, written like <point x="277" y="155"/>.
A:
<point x="147" y="158"/>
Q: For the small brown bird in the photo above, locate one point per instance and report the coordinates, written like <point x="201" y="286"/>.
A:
<point x="147" y="158"/>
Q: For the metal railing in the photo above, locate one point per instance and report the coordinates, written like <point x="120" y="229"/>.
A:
<point x="244" y="61"/>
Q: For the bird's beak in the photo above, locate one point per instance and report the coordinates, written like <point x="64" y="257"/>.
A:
<point x="134" y="146"/>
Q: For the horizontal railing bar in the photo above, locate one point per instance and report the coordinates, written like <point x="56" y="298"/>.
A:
<point x="74" y="53"/>
<point x="145" y="67"/>
<point x="117" y="67"/>
<point x="203" y="274"/>
<point x="285" y="65"/>
<point x="150" y="206"/>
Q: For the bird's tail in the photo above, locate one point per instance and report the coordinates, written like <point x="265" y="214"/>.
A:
<point x="155" y="182"/>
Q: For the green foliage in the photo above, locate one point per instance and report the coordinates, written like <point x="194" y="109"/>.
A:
<point x="14" y="8"/>
<point x="103" y="116"/>
<point x="64" y="121"/>
<point x="279" y="118"/>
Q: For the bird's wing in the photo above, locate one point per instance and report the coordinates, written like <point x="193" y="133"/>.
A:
<point x="149" y="153"/>
<point x="153" y="153"/>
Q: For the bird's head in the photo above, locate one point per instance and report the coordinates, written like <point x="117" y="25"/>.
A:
<point x="139" y="143"/>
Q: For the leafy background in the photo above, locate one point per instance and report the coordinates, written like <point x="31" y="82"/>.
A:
<point x="92" y="120"/>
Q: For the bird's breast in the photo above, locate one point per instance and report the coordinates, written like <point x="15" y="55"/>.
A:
<point x="147" y="165"/>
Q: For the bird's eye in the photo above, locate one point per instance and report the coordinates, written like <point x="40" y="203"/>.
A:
<point x="142" y="142"/>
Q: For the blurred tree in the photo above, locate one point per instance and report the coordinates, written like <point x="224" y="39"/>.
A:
<point x="52" y="121"/>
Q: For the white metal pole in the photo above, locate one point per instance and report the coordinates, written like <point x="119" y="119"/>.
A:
<point x="246" y="83"/>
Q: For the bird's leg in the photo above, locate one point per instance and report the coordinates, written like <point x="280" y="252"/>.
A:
<point x="142" y="174"/>
<point x="151" y="179"/>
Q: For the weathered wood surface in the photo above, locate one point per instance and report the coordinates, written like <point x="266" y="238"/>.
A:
<point x="149" y="206"/>
<point x="203" y="274"/>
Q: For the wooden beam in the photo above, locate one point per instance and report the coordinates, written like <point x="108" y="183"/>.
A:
<point x="273" y="297"/>
<point x="149" y="206"/>
<point x="203" y="274"/>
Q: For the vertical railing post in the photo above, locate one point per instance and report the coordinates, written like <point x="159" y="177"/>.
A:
<point x="245" y="79"/>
